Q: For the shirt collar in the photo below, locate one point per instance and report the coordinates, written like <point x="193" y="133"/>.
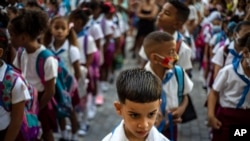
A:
<point x="65" y="46"/>
<point x="241" y="71"/>
<point x="148" y="68"/>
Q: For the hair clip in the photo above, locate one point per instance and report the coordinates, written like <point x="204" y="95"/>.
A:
<point x="85" y="9"/>
<point x="71" y="25"/>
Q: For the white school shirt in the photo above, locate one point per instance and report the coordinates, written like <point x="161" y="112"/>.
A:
<point x="69" y="55"/>
<point x="91" y="47"/>
<point x="230" y="87"/>
<point x="117" y="31"/>
<point x="19" y="93"/>
<point x="107" y="27"/>
<point x="218" y="45"/>
<point x="185" y="54"/>
<point x="123" y="24"/>
<point x="119" y="134"/>
<point x="171" y="87"/>
<point x="218" y="58"/>
<point x="94" y="29"/>
<point x="28" y="68"/>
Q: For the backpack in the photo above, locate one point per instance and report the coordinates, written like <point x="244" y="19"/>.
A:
<point x="30" y="124"/>
<point x="65" y="85"/>
<point x="179" y="74"/>
<point x="200" y="40"/>
<point x="189" y="113"/>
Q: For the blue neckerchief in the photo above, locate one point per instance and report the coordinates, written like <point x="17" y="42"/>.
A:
<point x="179" y="37"/>
<point x="246" y="88"/>
<point x="164" y="101"/>
<point x="237" y="56"/>
<point x="83" y="32"/>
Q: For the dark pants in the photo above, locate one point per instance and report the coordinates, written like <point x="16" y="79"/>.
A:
<point x="167" y="134"/>
<point x="18" y="138"/>
<point x="230" y="117"/>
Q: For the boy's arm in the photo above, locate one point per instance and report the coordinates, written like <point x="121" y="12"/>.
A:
<point x="212" y="100"/>
<point x="177" y="112"/>
<point x="16" y="121"/>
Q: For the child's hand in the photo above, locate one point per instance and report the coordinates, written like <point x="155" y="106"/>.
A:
<point x="214" y="123"/>
<point x="177" y="112"/>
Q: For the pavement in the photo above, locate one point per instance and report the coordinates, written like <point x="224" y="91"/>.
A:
<point x="106" y="119"/>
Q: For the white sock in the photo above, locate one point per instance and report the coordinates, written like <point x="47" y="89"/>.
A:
<point x="74" y="137"/>
<point x="64" y="134"/>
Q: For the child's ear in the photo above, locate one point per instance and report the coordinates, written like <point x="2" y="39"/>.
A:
<point x="154" y="58"/>
<point x="1" y="52"/>
<point x="118" y="107"/>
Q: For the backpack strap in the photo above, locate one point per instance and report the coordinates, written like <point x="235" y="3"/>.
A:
<point x="85" y="45"/>
<point x="40" y="62"/>
<point x="8" y="83"/>
<point x="179" y="74"/>
<point x="178" y="43"/>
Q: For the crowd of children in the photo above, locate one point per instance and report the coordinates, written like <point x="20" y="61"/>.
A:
<point x="59" y="56"/>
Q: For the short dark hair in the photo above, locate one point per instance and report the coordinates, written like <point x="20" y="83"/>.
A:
<point x="4" y="44"/>
<point x="156" y="37"/>
<point x="138" y="85"/>
<point x="244" y="41"/>
<point x="32" y="22"/>
<point x="240" y="24"/>
<point x="182" y="10"/>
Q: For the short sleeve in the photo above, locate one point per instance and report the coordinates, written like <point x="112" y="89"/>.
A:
<point x="185" y="55"/>
<point x="108" y="28"/>
<point x="20" y="92"/>
<point x="218" y="58"/>
<point x="50" y="68"/>
<point x="96" y="32"/>
<point x="74" y="54"/>
<point x="91" y="48"/>
<point x="187" y="83"/>
<point x="220" y="80"/>
<point x="212" y="42"/>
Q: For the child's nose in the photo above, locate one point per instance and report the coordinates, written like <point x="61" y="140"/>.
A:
<point x="144" y="124"/>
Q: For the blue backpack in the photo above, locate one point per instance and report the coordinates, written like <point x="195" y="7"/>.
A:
<point x="179" y="74"/>
<point x="65" y="86"/>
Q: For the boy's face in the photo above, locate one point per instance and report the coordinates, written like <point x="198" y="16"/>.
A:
<point x="243" y="31"/>
<point x="138" y="117"/>
<point x="166" y="19"/>
<point x="162" y="51"/>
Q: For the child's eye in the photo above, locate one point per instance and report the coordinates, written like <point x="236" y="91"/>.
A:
<point x="151" y="115"/>
<point x="166" y="13"/>
<point x="134" y="115"/>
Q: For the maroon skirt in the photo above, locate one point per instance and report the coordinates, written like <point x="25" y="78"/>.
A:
<point x="230" y="117"/>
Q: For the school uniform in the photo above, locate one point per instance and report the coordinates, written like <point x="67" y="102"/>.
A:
<point x="218" y="58"/>
<point x="19" y="93"/>
<point x="233" y="109"/>
<point x="27" y="65"/>
<point x="119" y="134"/>
<point x="185" y="53"/>
<point x="68" y="53"/>
<point x="171" y="90"/>
<point x="108" y="28"/>
<point x="93" y="29"/>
